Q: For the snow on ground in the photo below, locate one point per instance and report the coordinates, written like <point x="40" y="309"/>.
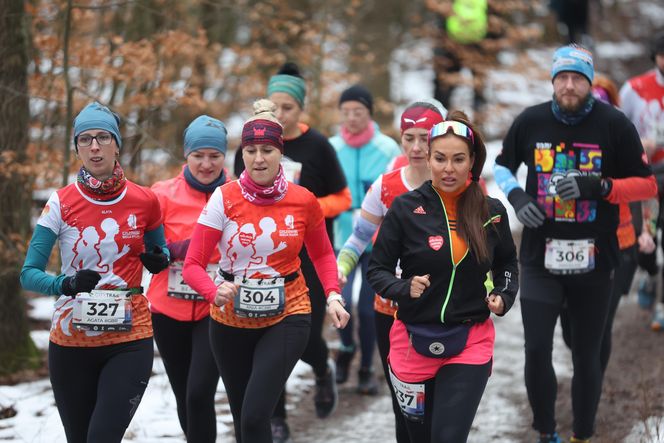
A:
<point x="500" y="412"/>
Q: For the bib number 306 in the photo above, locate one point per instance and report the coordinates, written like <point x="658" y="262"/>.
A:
<point x="569" y="256"/>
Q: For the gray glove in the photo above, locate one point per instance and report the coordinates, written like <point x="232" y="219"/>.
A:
<point x="585" y="187"/>
<point x="527" y="210"/>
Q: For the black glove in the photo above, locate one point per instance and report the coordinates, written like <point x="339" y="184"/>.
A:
<point x="178" y="249"/>
<point x="155" y="261"/>
<point x="584" y="187"/>
<point x="527" y="210"/>
<point x="83" y="281"/>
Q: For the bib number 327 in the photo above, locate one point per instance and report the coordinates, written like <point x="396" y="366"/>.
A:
<point x="102" y="310"/>
<point x="258" y="297"/>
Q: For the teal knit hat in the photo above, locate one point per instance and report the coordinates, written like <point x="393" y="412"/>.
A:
<point x="205" y="132"/>
<point x="289" y="81"/>
<point x="97" y="116"/>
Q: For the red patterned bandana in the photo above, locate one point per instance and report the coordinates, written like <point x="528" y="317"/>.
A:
<point x="263" y="132"/>
<point x="263" y="195"/>
<point x="102" y="190"/>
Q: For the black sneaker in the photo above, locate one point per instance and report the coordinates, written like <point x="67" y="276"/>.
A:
<point x="343" y="364"/>
<point x="367" y="384"/>
<point x="280" y="431"/>
<point x="326" y="396"/>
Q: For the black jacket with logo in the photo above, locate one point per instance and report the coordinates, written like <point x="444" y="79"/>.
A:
<point x="411" y="235"/>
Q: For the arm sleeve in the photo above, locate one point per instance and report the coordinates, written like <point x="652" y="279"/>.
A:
<point x="505" y="179"/>
<point x="155" y="210"/>
<point x="33" y="274"/>
<point x="385" y="256"/>
<point x="505" y="268"/>
<point x="156" y="237"/>
<point x="322" y="256"/>
<point x="203" y="241"/>
<point x="628" y="190"/>
<point x="334" y="204"/>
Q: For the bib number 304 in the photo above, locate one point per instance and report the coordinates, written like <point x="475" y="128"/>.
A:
<point x="259" y="298"/>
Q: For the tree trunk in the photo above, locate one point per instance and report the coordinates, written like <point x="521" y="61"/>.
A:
<point x="16" y="348"/>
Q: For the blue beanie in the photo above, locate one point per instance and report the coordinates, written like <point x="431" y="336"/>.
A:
<point x="573" y="58"/>
<point x="97" y="116"/>
<point x="205" y="132"/>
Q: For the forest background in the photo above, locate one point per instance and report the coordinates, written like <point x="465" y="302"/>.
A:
<point x="161" y="63"/>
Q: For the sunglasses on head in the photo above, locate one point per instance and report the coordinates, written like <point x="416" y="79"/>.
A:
<point x="457" y="128"/>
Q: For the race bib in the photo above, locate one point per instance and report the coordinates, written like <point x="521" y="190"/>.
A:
<point x="410" y="397"/>
<point x="292" y="170"/>
<point x="569" y="256"/>
<point x="259" y="297"/>
<point x="177" y="288"/>
<point x="102" y="310"/>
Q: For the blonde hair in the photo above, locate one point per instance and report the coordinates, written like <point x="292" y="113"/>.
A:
<point x="264" y="109"/>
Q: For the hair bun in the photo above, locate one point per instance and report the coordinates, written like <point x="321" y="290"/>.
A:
<point x="264" y="105"/>
<point x="290" y="68"/>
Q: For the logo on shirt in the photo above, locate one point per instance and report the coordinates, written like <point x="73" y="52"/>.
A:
<point x="436" y="242"/>
<point x="131" y="221"/>
<point x="290" y="221"/>
<point x="419" y="210"/>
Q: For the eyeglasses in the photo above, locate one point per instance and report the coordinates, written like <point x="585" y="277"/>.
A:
<point x="103" y="139"/>
<point x="457" y="128"/>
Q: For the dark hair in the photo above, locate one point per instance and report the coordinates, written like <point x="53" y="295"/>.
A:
<point x="472" y="207"/>
<point x="290" y="68"/>
<point x="657" y="45"/>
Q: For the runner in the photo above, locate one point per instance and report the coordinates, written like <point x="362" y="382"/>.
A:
<point x="260" y="223"/>
<point x="364" y="153"/>
<point x="416" y="121"/>
<point x="446" y="236"/>
<point x="629" y="229"/>
<point x="100" y="350"/>
<point x="642" y="101"/>
<point x="180" y="317"/>
<point x="577" y="176"/>
<point x="309" y="161"/>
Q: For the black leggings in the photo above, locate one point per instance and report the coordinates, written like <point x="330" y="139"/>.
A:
<point x="383" y="325"/>
<point x="184" y="347"/>
<point x="254" y="365"/>
<point x="588" y="298"/>
<point x="451" y="400"/>
<point x="316" y="352"/>
<point x="622" y="281"/>
<point x="97" y="390"/>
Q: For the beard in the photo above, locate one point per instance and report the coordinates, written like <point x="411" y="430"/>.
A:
<point x="571" y="104"/>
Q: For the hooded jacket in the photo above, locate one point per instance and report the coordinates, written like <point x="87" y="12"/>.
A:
<point x="411" y="234"/>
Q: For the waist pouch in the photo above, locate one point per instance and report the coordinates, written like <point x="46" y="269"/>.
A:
<point x="437" y="340"/>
